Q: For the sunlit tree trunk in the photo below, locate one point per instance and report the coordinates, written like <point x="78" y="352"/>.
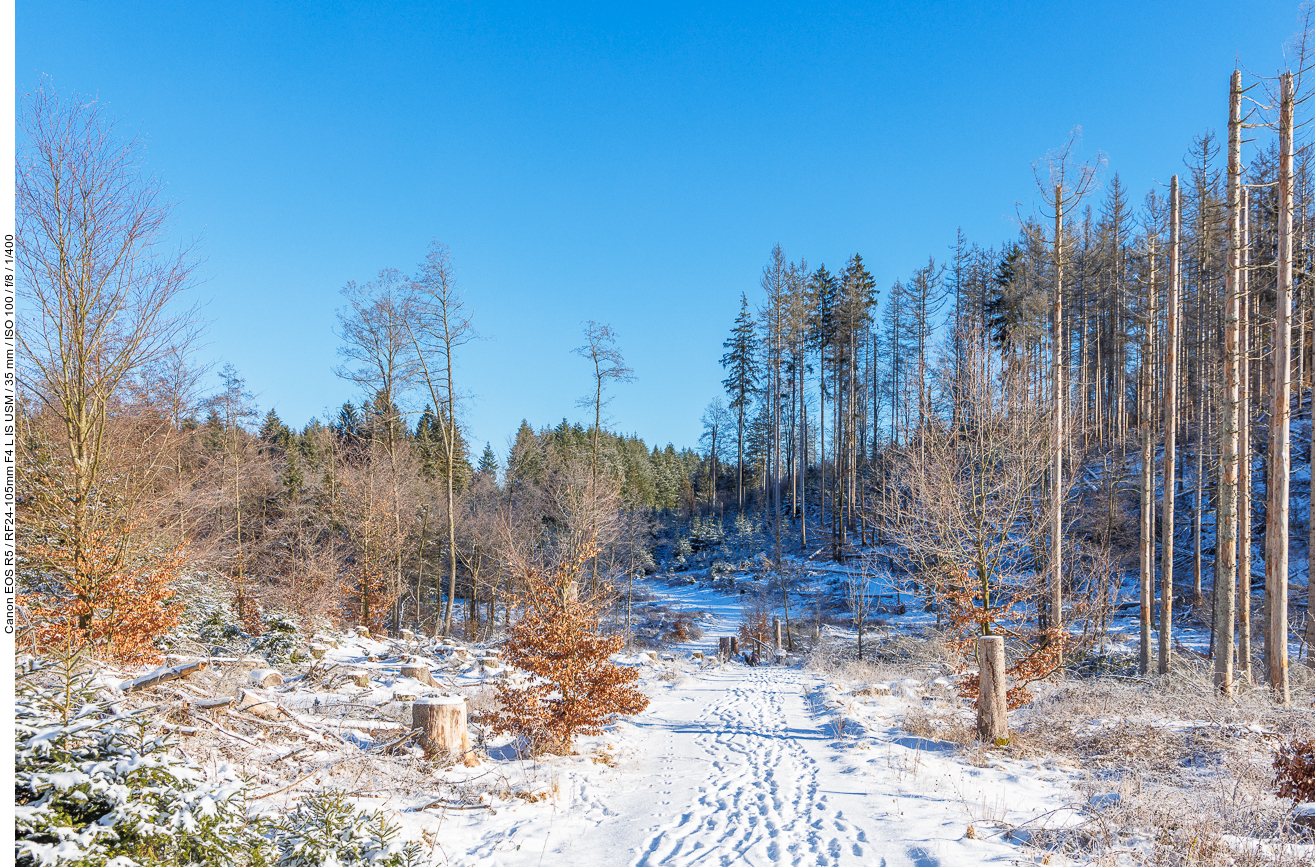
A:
<point x="1170" y="424"/>
<point x="1226" y="501"/>
<point x="1276" y="514"/>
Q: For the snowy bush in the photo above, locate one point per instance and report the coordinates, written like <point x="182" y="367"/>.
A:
<point x="325" y="830"/>
<point x="223" y="635"/>
<point x="92" y="789"/>
<point x="205" y="610"/>
<point x="280" y="641"/>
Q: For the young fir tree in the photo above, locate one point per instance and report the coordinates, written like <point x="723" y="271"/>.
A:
<point x="741" y="382"/>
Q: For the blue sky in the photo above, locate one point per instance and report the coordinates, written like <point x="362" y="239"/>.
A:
<point x="633" y="166"/>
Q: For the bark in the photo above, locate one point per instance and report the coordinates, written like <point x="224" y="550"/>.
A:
<point x="992" y="704"/>
<point x="1276" y="514"/>
<point x="1226" y="514"/>
<point x="1170" y="426"/>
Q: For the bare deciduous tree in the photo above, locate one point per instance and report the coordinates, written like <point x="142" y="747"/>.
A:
<point x="99" y="306"/>
<point x="601" y="350"/>
<point x="440" y="324"/>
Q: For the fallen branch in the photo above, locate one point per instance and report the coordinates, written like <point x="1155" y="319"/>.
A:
<point x="449" y="806"/>
<point x="223" y="731"/>
<point x="406" y="737"/>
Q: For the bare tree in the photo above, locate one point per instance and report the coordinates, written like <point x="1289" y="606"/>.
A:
<point x="602" y="352"/>
<point x="969" y="497"/>
<point x="440" y="324"/>
<point x="1276" y="513"/>
<point x="1226" y="521"/>
<point x="858" y="592"/>
<point x="1066" y="184"/>
<point x="100" y="306"/>
<point x="381" y="358"/>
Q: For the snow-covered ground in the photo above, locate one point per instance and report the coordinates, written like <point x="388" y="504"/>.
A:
<point x="732" y="764"/>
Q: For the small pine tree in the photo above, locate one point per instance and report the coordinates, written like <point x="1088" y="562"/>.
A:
<point x="92" y="789"/>
<point x="488" y="462"/>
<point x="574" y="688"/>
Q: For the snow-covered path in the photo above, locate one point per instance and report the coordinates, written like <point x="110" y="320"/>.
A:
<point x="760" y="799"/>
<point x="734" y="765"/>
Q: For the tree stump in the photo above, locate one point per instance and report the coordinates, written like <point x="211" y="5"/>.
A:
<point x="360" y="678"/>
<point x="258" y="705"/>
<point x="363" y="631"/>
<point x="735" y="646"/>
<point x="992" y="701"/>
<point x="266" y="678"/>
<point x="724" y="647"/>
<point x="419" y="671"/>
<point x="317" y="651"/>
<point x="442" y="724"/>
<point x="408" y="635"/>
<point x="776" y="627"/>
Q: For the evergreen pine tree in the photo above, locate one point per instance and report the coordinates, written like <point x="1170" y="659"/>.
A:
<point x="741" y="382"/>
<point x="488" y="462"/>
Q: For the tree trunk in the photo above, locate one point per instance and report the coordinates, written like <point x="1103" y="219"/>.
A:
<point x="1276" y="515"/>
<point x="992" y="701"/>
<point x="1247" y="463"/>
<point x="1056" y="600"/>
<point x="1226" y="508"/>
<point x="1170" y="427"/>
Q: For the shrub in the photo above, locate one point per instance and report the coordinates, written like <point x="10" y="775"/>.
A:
<point x="574" y="689"/>
<point x="91" y="789"/>
<point x="325" y="830"/>
<point x="279" y="642"/>
<point x="756" y="623"/>
<point x="1294" y="764"/>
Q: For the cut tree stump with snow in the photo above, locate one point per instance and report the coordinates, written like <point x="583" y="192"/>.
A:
<point x="408" y="635"/>
<point x="266" y="678"/>
<point x="317" y="651"/>
<point x="992" y="701"/>
<point x="442" y="724"/>
<point x="419" y="671"/>
<point x="258" y="705"/>
<point x="360" y="678"/>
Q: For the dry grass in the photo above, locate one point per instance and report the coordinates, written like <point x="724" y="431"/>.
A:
<point x="1176" y="774"/>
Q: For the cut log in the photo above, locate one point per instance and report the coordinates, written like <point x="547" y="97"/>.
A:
<point x="442" y="724"/>
<point x="363" y="631"/>
<point x="992" y="701"/>
<point x="266" y="678"/>
<point x="408" y="635"/>
<point x="419" y="671"/>
<point x="258" y="705"/>
<point x="162" y="674"/>
<point x="207" y="703"/>
<point x="735" y="646"/>
<point x="724" y="647"/>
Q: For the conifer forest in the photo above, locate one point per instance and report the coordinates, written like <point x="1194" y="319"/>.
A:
<point x="1005" y="562"/>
